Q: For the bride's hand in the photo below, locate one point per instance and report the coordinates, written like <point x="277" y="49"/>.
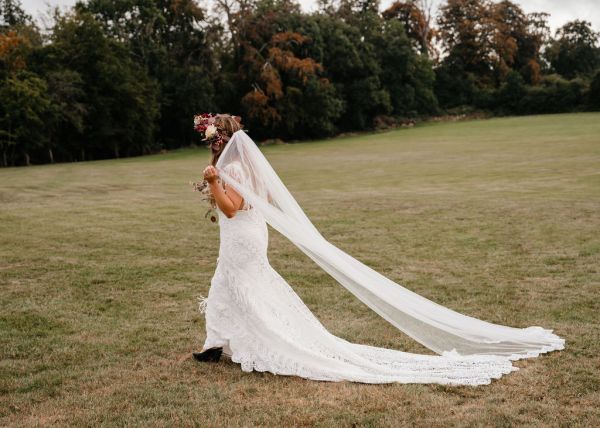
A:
<point x="210" y="174"/>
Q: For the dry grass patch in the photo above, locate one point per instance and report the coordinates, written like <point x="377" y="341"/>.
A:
<point x="101" y="264"/>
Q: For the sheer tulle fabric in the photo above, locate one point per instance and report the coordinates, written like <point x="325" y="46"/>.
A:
<point x="271" y="329"/>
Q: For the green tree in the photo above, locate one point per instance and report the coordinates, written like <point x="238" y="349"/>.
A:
<point x="168" y="39"/>
<point x="350" y="60"/>
<point x="24" y="114"/>
<point x="484" y="42"/>
<point x="407" y="75"/>
<point x="12" y="15"/>
<point x="511" y="93"/>
<point x="464" y="33"/>
<point x="120" y="98"/>
<point x="67" y="111"/>
<point x="276" y="60"/>
<point x="574" y="50"/>
<point x="594" y="92"/>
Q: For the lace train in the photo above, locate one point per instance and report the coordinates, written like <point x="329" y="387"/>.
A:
<point x="262" y="324"/>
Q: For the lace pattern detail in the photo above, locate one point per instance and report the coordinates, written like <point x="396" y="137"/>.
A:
<point x="202" y="303"/>
<point x="243" y="250"/>
<point x="264" y="325"/>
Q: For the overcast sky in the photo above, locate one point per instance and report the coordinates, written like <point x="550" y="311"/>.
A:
<point x="560" y="11"/>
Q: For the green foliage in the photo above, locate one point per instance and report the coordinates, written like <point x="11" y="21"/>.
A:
<point x="352" y="66"/>
<point x="511" y="92"/>
<point x="25" y="111"/>
<point x="66" y="89"/>
<point x="280" y="67"/>
<point x="120" y="98"/>
<point x="112" y="79"/>
<point x="484" y="42"/>
<point x="165" y="40"/>
<point x="594" y="92"/>
<point x="454" y="86"/>
<point x="575" y="50"/>
<point x="554" y="95"/>
<point x="12" y="15"/>
<point x="463" y="27"/>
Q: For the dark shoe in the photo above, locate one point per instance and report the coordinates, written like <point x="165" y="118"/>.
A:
<point x="212" y="354"/>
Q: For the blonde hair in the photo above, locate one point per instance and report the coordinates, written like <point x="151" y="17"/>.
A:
<point x="227" y="125"/>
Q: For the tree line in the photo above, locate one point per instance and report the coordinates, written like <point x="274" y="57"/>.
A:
<point x="121" y="78"/>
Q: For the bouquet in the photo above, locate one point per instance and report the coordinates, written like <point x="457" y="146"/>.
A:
<point x="207" y="196"/>
<point x="205" y="124"/>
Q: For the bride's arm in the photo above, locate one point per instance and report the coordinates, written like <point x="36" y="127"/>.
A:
<point x="228" y="202"/>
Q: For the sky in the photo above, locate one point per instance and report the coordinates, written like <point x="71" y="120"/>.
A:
<point x="560" y="11"/>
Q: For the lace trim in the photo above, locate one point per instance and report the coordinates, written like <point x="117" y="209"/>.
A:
<point x="250" y="352"/>
<point x="247" y="294"/>
<point x="202" y="304"/>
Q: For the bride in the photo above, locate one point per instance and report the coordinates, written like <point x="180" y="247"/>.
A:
<point x="256" y="318"/>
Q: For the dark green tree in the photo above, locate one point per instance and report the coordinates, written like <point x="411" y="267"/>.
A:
<point x="120" y="98"/>
<point x="168" y="40"/>
<point x="24" y="115"/>
<point x="407" y="75"/>
<point x="594" y="92"/>
<point x="350" y="59"/>
<point x="574" y="50"/>
<point x="12" y="15"/>
<point x="67" y="113"/>
<point x="511" y="93"/>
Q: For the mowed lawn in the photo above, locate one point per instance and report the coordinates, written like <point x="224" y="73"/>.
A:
<point x="101" y="265"/>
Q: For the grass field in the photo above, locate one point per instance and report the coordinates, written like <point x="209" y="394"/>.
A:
<point x="101" y="264"/>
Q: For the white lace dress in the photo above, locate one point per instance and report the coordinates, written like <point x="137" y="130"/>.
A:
<point x="262" y="324"/>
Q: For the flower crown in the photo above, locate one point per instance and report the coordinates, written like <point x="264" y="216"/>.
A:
<point x="205" y="124"/>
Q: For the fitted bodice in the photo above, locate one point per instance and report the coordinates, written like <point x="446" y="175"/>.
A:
<point x="244" y="236"/>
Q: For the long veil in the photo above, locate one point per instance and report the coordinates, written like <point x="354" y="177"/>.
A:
<point x="438" y="328"/>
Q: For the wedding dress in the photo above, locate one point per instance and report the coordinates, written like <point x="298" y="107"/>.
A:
<point x="261" y="323"/>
